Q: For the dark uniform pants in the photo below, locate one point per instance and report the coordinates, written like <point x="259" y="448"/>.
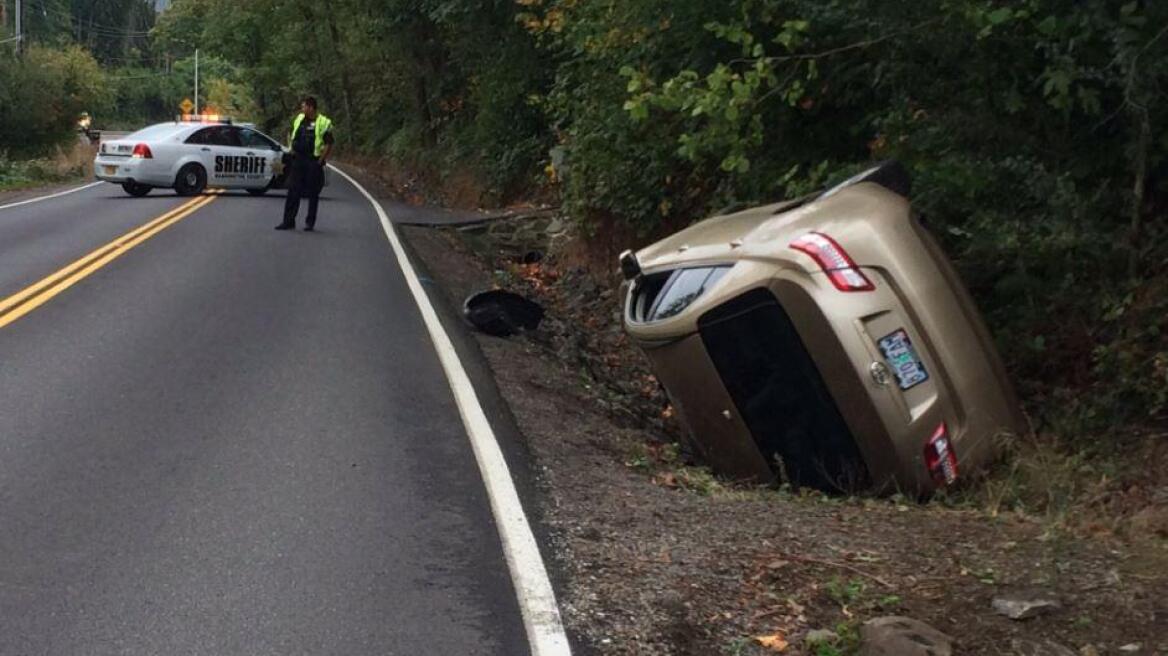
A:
<point x="304" y="181"/>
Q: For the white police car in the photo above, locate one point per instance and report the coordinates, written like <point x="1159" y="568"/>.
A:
<point x="190" y="155"/>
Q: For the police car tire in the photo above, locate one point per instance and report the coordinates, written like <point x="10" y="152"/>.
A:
<point x="135" y="189"/>
<point x="186" y="188"/>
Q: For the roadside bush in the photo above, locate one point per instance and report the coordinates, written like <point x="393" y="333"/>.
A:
<point x="43" y="94"/>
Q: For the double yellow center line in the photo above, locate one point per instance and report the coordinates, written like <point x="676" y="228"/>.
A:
<point x="40" y="292"/>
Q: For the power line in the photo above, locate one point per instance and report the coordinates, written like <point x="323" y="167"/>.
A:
<point x="135" y="60"/>
<point x="136" y="77"/>
<point x="104" y="30"/>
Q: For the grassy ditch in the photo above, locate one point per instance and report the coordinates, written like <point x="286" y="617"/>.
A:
<point x="65" y="165"/>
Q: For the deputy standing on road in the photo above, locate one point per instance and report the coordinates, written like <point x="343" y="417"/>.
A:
<point x="312" y="141"/>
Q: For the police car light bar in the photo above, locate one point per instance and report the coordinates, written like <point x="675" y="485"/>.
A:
<point x="203" y="118"/>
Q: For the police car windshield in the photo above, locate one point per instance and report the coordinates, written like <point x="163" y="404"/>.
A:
<point x="160" y="131"/>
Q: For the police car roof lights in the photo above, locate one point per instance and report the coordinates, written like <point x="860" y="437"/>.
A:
<point x="203" y="118"/>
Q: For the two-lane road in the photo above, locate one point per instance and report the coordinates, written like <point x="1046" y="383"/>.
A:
<point x="226" y="440"/>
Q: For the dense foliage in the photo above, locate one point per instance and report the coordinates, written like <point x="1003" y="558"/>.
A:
<point x="42" y="95"/>
<point x="118" y="72"/>
<point x="430" y="81"/>
<point x="1036" y="129"/>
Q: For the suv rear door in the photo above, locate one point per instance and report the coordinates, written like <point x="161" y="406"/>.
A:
<point x="209" y="144"/>
<point x="265" y="157"/>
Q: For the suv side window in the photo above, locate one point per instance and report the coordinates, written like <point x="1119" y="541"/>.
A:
<point x="216" y="135"/>
<point x="252" y="139"/>
<point x="225" y="135"/>
<point x="200" y="137"/>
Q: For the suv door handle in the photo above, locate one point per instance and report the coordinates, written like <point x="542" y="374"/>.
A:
<point x="205" y="150"/>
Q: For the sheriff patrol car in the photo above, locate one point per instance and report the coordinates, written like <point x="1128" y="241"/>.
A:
<point x="192" y="154"/>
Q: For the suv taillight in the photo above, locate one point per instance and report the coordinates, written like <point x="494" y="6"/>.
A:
<point x="940" y="458"/>
<point x="835" y="262"/>
<point x="143" y="151"/>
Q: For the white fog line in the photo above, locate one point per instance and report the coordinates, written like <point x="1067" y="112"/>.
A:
<point x="51" y="196"/>
<point x="537" y="600"/>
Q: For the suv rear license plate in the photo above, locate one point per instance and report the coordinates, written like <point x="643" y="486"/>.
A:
<point x="902" y="357"/>
<point x="110" y="170"/>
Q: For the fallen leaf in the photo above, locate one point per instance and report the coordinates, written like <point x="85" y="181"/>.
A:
<point x="773" y="642"/>
<point x="667" y="480"/>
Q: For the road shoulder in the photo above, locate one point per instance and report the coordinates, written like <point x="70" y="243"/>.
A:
<point x="24" y="194"/>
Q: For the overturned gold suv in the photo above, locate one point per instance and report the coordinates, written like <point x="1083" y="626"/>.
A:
<point x="824" y="341"/>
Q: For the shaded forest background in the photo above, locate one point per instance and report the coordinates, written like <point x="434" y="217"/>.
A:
<point x="1037" y="130"/>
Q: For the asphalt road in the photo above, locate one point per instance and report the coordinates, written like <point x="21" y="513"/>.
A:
<point x="232" y="440"/>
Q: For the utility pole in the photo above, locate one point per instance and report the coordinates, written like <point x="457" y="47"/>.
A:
<point x="196" y="81"/>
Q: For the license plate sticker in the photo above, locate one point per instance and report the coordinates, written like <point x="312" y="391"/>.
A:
<point x="110" y="170"/>
<point x="902" y="357"/>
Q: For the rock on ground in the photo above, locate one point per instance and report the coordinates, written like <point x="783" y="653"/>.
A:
<point x="1025" y="606"/>
<point x="1041" y="648"/>
<point x="902" y="636"/>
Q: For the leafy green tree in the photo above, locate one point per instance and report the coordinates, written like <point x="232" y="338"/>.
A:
<point x="43" y="94"/>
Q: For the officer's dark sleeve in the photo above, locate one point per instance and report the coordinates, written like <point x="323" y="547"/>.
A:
<point x="328" y="137"/>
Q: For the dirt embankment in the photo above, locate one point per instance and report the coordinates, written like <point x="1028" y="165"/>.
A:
<point x="661" y="558"/>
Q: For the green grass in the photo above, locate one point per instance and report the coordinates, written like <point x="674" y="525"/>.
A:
<point x="845" y="593"/>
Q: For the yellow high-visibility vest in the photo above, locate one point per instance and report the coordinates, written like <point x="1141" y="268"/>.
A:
<point x="323" y="125"/>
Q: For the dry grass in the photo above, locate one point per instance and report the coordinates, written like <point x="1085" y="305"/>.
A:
<point x="65" y="164"/>
<point x="420" y="183"/>
<point x="1073" y="485"/>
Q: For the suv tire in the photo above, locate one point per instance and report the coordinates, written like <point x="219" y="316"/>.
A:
<point x="191" y="180"/>
<point x="136" y="189"/>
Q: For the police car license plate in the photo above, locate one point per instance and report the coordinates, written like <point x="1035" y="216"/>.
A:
<point x="900" y="354"/>
<point x="110" y="170"/>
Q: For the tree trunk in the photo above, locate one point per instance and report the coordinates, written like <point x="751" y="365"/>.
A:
<point x="1143" y="142"/>
<point x="423" y="50"/>
<point x="1137" y="104"/>
<point x="346" y="84"/>
<point x="422" y="98"/>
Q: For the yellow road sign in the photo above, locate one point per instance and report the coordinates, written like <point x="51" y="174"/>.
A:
<point x="186" y="106"/>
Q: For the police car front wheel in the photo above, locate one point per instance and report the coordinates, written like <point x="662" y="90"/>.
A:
<point x="136" y="189"/>
<point x="191" y="180"/>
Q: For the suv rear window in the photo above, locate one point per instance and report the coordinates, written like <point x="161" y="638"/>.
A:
<point x="154" y="132"/>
